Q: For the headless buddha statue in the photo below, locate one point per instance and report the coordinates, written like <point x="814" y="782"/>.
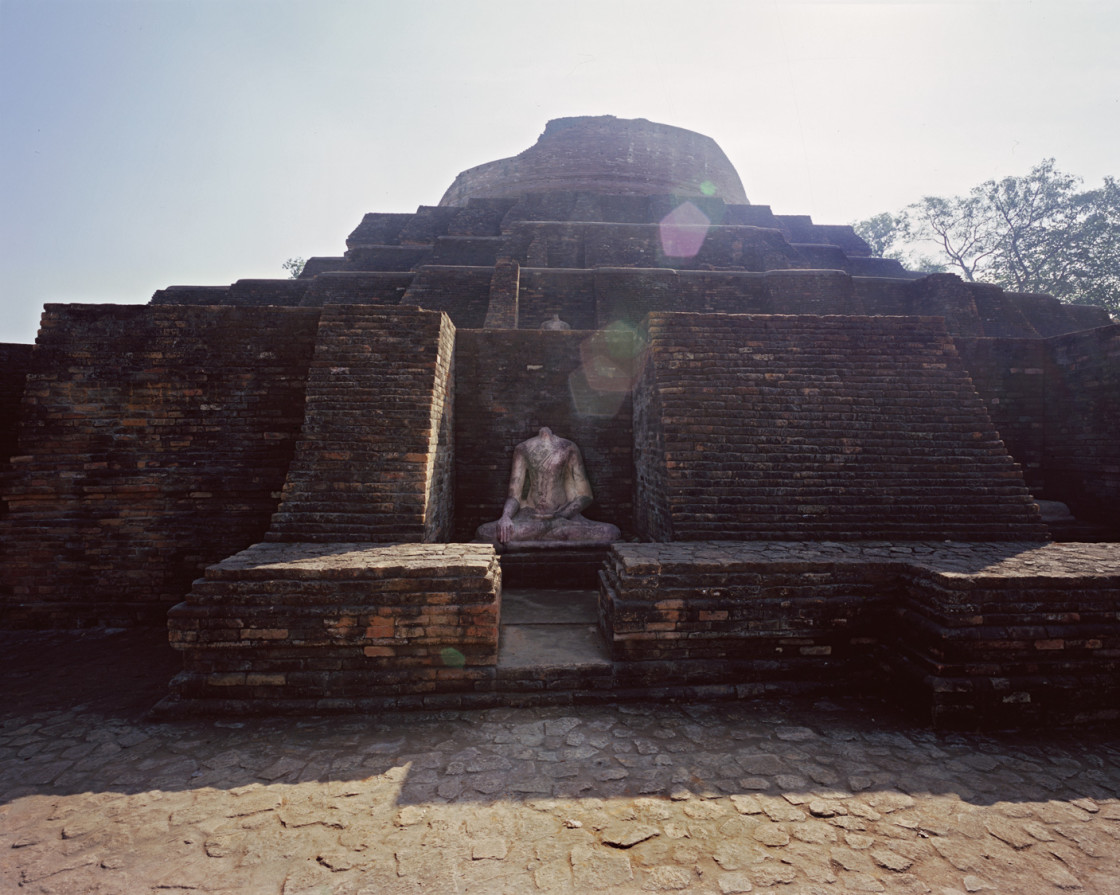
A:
<point x="548" y="489"/>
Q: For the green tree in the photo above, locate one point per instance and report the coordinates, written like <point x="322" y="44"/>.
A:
<point x="889" y="237"/>
<point x="294" y="266"/>
<point x="883" y="233"/>
<point x="1037" y="233"/>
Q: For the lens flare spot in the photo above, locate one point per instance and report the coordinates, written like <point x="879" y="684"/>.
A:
<point x="683" y="231"/>
<point x="610" y="360"/>
<point x="452" y="658"/>
<point x="591" y="402"/>
<point x="610" y="357"/>
<point x="708" y="188"/>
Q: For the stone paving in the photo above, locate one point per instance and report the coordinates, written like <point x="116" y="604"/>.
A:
<point x="792" y="796"/>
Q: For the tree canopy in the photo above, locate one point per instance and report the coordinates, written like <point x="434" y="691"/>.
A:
<point x="1037" y="233"/>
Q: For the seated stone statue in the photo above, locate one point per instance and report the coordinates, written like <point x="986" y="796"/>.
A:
<point x="555" y="323"/>
<point x="548" y="488"/>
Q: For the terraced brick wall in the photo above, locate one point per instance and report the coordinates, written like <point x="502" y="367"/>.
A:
<point x="374" y="459"/>
<point x="794" y="427"/>
<point x="1011" y="376"/>
<point x="356" y="288"/>
<point x="463" y="293"/>
<point x="155" y="441"/>
<point x="1082" y="459"/>
<point x="327" y="626"/>
<point x="543" y="292"/>
<point x="1027" y="638"/>
<point x="972" y="635"/>
<point x="728" y="609"/>
<point x="1056" y="404"/>
<point x="15" y="362"/>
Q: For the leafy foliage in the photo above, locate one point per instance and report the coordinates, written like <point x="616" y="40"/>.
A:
<point x="1036" y="233"/>
<point x="294" y="267"/>
<point x="889" y="236"/>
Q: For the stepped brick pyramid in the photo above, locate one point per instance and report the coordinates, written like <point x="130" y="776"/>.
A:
<point x="825" y="467"/>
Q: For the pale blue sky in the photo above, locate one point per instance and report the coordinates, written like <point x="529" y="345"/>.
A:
<point x="145" y="143"/>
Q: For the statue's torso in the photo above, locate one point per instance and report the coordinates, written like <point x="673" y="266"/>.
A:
<point x="547" y="467"/>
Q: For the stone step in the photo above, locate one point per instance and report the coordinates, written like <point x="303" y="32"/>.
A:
<point x="550" y="646"/>
<point x="544" y="628"/>
<point x="540" y="606"/>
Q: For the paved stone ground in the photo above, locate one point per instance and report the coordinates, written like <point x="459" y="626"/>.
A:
<point x="795" y="797"/>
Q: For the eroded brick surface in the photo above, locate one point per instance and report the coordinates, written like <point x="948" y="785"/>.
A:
<point x="803" y="427"/>
<point x="154" y="441"/>
<point x="312" y="623"/>
<point x="373" y="461"/>
<point x="973" y="634"/>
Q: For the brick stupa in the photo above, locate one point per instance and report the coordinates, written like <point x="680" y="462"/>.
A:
<point x="825" y="467"/>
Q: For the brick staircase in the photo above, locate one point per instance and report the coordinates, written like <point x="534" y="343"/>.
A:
<point x="373" y="462"/>
<point x="806" y="427"/>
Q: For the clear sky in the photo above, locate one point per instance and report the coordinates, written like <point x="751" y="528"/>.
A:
<point x="145" y="143"/>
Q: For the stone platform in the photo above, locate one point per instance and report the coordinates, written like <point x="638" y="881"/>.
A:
<point x="323" y="624"/>
<point x="559" y="567"/>
<point x="969" y="634"/>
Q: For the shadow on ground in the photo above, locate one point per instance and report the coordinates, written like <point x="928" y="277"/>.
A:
<point x="69" y="690"/>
